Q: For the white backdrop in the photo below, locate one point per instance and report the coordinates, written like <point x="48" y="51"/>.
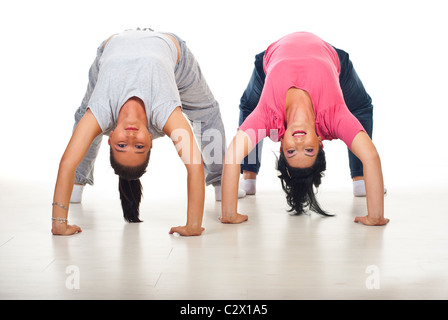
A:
<point x="399" y="49"/>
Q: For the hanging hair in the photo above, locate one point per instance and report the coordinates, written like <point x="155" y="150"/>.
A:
<point x="299" y="183"/>
<point x="130" y="187"/>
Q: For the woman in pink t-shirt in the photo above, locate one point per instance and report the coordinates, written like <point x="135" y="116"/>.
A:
<point x="302" y="104"/>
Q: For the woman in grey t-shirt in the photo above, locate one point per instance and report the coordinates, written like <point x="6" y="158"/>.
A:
<point x="140" y="86"/>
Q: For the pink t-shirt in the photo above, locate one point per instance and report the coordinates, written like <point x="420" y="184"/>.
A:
<point x="304" y="61"/>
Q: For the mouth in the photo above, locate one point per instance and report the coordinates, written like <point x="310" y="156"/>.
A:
<point x="299" y="133"/>
<point x="131" y="129"/>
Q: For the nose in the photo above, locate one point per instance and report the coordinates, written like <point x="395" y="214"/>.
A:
<point x="301" y="142"/>
<point x="131" y="133"/>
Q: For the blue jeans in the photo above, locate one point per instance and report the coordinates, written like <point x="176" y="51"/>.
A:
<point x="356" y="98"/>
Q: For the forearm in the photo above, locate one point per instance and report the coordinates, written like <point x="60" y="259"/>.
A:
<point x="373" y="177"/>
<point x="365" y="150"/>
<point x="229" y="189"/>
<point x="237" y="150"/>
<point x="64" y="186"/>
<point x="61" y="198"/>
<point x="196" y="196"/>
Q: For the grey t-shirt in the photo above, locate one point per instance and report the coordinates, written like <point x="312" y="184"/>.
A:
<point x="136" y="64"/>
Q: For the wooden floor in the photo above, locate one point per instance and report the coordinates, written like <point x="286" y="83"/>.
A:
<point x="272" y="256"/>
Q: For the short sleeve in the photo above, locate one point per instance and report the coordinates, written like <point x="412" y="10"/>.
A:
<point x="255" y="125"/>
<point x="103" y="116"/>
<point x="345" y="125"/>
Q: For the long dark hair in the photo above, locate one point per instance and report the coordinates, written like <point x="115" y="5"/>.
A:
<point x="130" y="187"/>
<point x="299" y="183"/>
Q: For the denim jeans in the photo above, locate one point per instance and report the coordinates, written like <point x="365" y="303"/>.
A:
<point x="356" y="98"/>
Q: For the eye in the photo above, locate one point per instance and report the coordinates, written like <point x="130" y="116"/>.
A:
<point x="291" y="151"/>
<point x="309" y="150"/>
<point x="138" y="146"/>
<point x="121" y="145"/>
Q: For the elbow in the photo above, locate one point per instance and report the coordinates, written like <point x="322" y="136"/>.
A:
<point x="66" y="165"/>
<point x="373" y="158"/>
<point x="195" y="169"/>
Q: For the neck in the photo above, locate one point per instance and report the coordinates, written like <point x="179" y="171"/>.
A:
<point x="133" y="109"/>
<point x="299" y="107"/>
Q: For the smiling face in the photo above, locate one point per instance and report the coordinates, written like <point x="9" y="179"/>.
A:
<point x="300" y="145"/>
<point x="131" y="141"/>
